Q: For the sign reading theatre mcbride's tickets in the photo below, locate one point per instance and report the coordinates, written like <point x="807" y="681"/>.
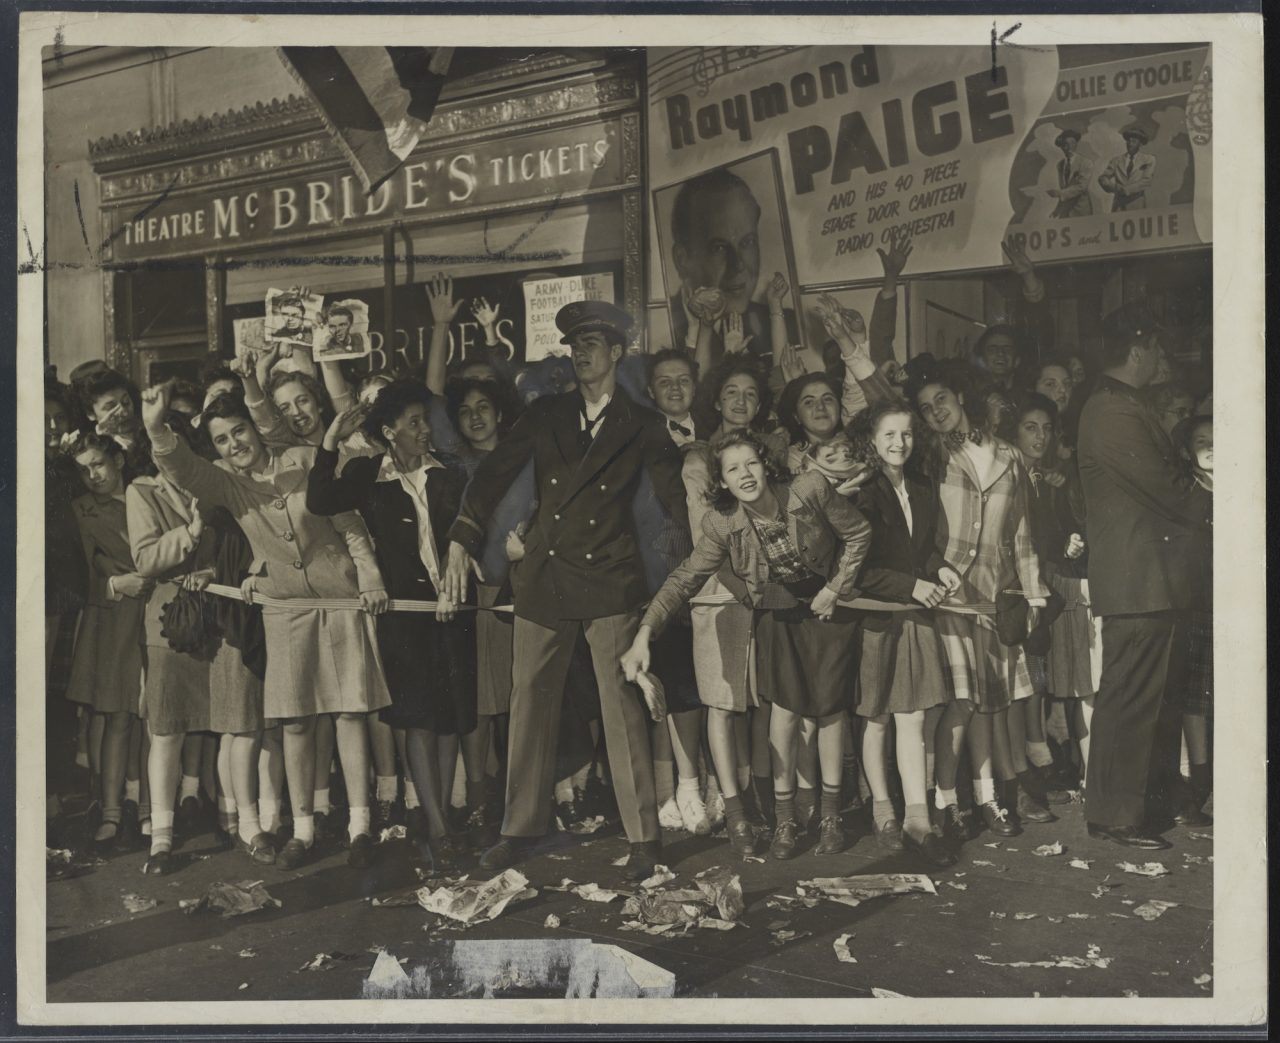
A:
<point x="943" y="143"/>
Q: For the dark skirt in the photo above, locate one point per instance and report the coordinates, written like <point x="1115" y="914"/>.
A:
<point x="175" y="694"/>
<point x="901" y="670"/>
<point x="430" y="669"/>
<point x="1199" y="651"/>
<point x="807" y="665"/>
<point x="671" y="660"/>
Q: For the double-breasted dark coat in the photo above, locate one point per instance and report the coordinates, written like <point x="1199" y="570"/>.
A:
<point x="1142" y="510"/>
<point x="430" y="665"/>
<point x="582" y="560"/>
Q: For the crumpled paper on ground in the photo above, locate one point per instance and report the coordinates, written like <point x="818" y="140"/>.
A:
<point x="411" y="898"/>
<point x="853" y="890"/>
<point x="324" y="961"/>
<point x="1080" y="863"/>
<point x="841" y="946"/>
<point x="232" y="899"/>
<point x="887" y="994"/>
<point x="723" y="889"/>
<point x="661" y="875"/>
<point x="587" y="825"/>
<point x="1049" y="850"/>
<point x="667" y="907"/>
<point x="1146" y="869"/>
<point x="478" y="900"/>
<point x="1154" y="909"/>
<point x="393" y="833"/>
<point x="138" y="904"/>
<point x="1093" y="958"/>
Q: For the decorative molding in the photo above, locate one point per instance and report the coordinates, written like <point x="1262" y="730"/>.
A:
<point x="632" y="154"/>
<point x="215" y="282"/>
<point x="115" y="350"/>
<point x="633" y="263"/>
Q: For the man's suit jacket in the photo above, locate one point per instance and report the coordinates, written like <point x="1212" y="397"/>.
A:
<point x="1073" y="182"/>
<point x="1129" y="189"/>
<point x="1143" y="514"/>
<point x="581" y="556"/>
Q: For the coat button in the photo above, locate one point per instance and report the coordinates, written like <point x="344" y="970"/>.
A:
<point x="408" y="520"/>
<point x="591" y="522"/>
<point x="553" y="481"/>
<point x="556" y="517"/>
<point x="289" y="536"/>
<point x="977" y="525"/>
<point x="588" y="557"/>
<point x="297" y="564"/>
<point x="278" y="505"/>
<point x="973" y="554"/>
<point x="604" y="488"/>
<point x="551" y="554"/>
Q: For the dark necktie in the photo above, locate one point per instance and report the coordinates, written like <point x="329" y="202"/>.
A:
<point x="681" y="428"/>
<point x="1128" y="170"/>
<point x="588" y="425"/>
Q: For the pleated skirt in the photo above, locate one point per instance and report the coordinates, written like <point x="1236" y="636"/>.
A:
<point x="106" y="666"/>
<point x="805" y="664"/>
<point x="902" y="666"/>
<point x="724" y="652"/>
<point x="321" y="661"/>
<point x="1075" y="641"/>
<point x="987" y="673"/>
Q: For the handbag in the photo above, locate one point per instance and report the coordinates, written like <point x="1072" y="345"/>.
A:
<point x="1011" y="620"/>
<point x="190" y="624"/>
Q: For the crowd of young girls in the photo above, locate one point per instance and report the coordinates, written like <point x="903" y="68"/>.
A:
<point x="882" y="593"/>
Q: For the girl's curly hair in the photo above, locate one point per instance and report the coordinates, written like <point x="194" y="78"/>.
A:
<point x="719" y="497"/>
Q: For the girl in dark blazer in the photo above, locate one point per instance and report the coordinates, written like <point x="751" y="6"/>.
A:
<point x="901" y="669"/>
<point x="409" y="499"/>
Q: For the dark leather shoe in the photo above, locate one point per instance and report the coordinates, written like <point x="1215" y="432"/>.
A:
<point x="931" y="849"/>
<point x="360" y="852"/>
<point x="187" y="821"/>
<point x="831" y="838"/>
<point x="415" y="824"/>
<point x="644" y="856"/>
<point x="956" y="828"/>
<point x="294" y="854"/>
<point x="1030" y="809"/>
<point x="323" y="825"/>
<point x="889" y="835"/>
<point x="742" y="838"/>
<point x="482" y="829"/>
<point x="784" y="840"/>
<point x="1128" y="836"/>
<point x="158" y="864"/>
<point x="505" y="853"/>
<point x="998" y="821"/>
<point x="260" y="849"/>
<point x="1189" y="814"/>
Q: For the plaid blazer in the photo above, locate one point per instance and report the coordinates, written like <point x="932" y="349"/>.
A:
<point x="985" y="533"/>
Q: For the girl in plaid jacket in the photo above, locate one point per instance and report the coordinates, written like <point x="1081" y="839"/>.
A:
<point x="984" y="534"/>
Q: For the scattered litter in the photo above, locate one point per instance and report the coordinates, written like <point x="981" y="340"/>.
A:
<point x="887" y="994"/>
<point x="1154" y="909"/>
<point x="997" y="916"/>
<point x="62" y="864"/>
<point x="1121" y="916"/>
<point x="980" y="862"/>
<point x="958" y="887"/>
<point x="242" y="986"/>
<point x="716" y="923"/>
<point x="841" y="946"/>
<point x="1160" y="974"/>
<point x="1202" y="979"/>
<point x="1048" y="850"/>
<point x="781" y="938"/>
<point x="1079" y="916"/>
<point x="620" y="861"/>
<point x="753" y="858"/>
<point x="247" y="954"/>
<point x="640" y="925"/>
<point x="1146" y="869"/>
<point x="1013" y="849"/>
<point x="723" y="889"/>
<point x="1025" y="916"/>
<point x="325" y="961"/>
<point x="790" y="902"/>
<point x="565" y="885"/>
<point x="1131" y="994"/>
<point x="138" y="904"/>
<point x="995" y="844"/>
<point x="852" y="890"/>
<point x="661" y="875"/>
<point x="232" y="899"/>
<point x="387" y="979"/>
<point x="1055" y="919"/>
<point x="1200" y="836"/>
<point x="1093" y="958"/>
<point x="1081" y="863"/>
<point x="594" y="893"/>
<point x="1199" y="860"/>
<point x="1127" y="901"/>
<point x="409" y="898"/>
<point x="1104" y="888"/>
<point x="479" y="900"/>
<point x="552" y="921"/>
<point x="960" y="874"/>
<point x="393" y="833"/>
<point x="57" y="856"/>
<point x="565" y="858"/>
<point x="587" y="825"/>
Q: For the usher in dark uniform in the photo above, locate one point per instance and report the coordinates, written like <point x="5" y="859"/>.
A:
<point x="581" y="571"/>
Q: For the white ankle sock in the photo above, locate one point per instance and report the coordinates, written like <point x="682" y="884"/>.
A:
<point x="161" y="831"/>
<point x="304" y="829"/>
<point x="269" y="815"/>
<point x="320" y="802"/>
<point x="190" y="787"/>
<point x="359" y="822"/>
<point x="386" y="787"/>
<point x="227" y="814"/>
<point x="1039" y="755"/>
<point x="688" y="787"/>
<point x="945" y="798"/>
<point x="410" y="794"/>
<point x="984" y="790"/>
<point x="131" y="789"/>
<point x="249" y="823"/>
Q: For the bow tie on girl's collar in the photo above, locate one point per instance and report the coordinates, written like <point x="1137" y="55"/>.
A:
<point x="957" y="439"/>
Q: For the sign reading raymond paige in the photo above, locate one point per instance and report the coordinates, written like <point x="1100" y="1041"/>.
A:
<point x="928" y="141"/>
<point x="435" y="183"/>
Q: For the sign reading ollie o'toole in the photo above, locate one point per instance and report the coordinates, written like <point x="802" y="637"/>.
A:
<point x="437" y="183"/>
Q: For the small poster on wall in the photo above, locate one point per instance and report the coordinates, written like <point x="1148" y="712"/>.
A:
<point x="345" y="332"/>
<point x="544" y="297"/>
<point x="250" y="337"/>
<point x="292" y="317"/>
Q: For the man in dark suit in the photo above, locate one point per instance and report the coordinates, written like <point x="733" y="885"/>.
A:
<point x="715" y="243"/>
<point x="1142" y="515"/>
<point x="581" y="573"/>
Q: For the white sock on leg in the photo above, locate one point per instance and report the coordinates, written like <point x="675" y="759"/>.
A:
<point x="359" y="822"/>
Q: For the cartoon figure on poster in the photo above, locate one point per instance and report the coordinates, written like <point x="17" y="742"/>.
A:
<point x="292" y="317"/>
<point x="345" y="333"/>
<point x="726" y="258"/>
